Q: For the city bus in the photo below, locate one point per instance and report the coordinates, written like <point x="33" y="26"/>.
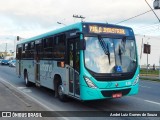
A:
<point x="85" y="61"/>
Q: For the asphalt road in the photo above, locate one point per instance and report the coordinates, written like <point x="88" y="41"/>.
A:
<point x="148" y="99"/>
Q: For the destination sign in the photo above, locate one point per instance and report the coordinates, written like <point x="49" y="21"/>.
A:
<point x="105" y="30"/>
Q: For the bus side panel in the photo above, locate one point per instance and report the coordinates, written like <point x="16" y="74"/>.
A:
<point x="48" y="70"/>
<point x="30" y="69"/>
<point x="29" y="66"/>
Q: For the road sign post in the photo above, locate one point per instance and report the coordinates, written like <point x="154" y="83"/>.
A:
<point x="159" y="67"/>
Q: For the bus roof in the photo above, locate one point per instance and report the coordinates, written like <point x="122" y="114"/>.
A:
<point x="67" y="28"/>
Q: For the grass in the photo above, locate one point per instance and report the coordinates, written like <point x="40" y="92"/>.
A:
<point x="151" y="75"/>
<point x="150" y="72"/>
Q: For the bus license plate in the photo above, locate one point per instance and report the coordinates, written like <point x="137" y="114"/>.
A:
<point x="116" y="95"/>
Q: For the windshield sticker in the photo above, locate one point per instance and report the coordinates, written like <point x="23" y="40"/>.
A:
<point x="118" y="68"/>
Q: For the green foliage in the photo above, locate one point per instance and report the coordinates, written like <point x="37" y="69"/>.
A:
<point x="150" y="72"/>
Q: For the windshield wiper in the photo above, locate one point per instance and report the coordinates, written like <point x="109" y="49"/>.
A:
<point x="104" y="47"/>
<point x="122" y="48"/>
<point x="120" y="54"/>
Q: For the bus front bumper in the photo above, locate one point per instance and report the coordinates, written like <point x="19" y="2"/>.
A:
<point x="95" y="93"/>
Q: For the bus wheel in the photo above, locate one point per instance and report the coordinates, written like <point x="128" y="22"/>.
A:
<point x="62" y="97"/>
<point x="27" y="82"/>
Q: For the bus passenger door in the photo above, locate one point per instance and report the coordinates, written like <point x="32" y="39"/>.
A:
<point x="19" y="61"/>
<point x="74" y="67"/>
<point x="37" y="64"/>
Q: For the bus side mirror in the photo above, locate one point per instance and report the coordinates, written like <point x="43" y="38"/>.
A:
<point x="82" y="44"/>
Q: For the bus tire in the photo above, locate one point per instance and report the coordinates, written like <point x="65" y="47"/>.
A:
<point x="62" y="97"/>
<point x="27" y="82"/>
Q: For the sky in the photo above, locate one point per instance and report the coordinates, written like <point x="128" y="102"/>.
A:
<point x="27" y="18"/>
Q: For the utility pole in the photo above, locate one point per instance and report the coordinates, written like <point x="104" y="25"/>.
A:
<point x="159" y="67"/>
<point x="6" y="50"/>
<point x="141" y="52"/>
<point x="79" y="16"/>
<point x="147" y="50"/>
<point x="147" y="60"/>
<point x="141" y="49"/>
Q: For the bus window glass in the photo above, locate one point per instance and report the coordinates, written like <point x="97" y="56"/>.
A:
<point x="119" y="53"/>
<point x="59" y="46"/>
<point x="32" y="45"/>
<point x="39" y="50"/>
<point x="125" y="53"/>
<point x="48" y="48"/>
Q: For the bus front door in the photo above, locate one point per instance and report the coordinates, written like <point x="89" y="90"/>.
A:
<point x="37" y="64"/>
<point x="74" y="68"/>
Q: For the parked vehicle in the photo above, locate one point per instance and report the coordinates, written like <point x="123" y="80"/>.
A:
<point x="12" y="63"/>
<point x="4" y="62"/>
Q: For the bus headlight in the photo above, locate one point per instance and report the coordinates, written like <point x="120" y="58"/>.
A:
<point x="136" y="80"/>
<point x="89" y="82"/>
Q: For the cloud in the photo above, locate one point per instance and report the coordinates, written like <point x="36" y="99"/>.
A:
<point x="28" y="18"/>
<point x="31" y="17"/>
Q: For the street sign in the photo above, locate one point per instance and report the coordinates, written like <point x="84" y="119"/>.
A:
<point x="147" y="49"/>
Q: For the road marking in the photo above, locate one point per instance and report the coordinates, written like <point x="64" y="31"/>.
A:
<point x="152" y="102"/>
<point x="24" y="89"/>
<point x="46" y="107"/>
<point x="144" y="86"/>
<point x="21" y="87"/>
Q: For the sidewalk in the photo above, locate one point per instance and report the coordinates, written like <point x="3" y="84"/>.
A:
<point x="12" y="100"/>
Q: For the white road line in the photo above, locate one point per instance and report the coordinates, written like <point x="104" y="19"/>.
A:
<point x="144" y="86"/>
<point x="49" y="109"/>
<point x="152" y="102"/>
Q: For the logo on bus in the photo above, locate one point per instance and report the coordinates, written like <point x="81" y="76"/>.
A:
<point x="46" y="67"/>
<point x="116" y="84"/>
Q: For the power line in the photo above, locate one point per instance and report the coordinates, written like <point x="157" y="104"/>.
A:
<point x="148" y="26"/>
<point x="134" y="17"/>
<point x="149" y="31"/>
<point x="157" y="38"/>
<point x="152" y="28"/>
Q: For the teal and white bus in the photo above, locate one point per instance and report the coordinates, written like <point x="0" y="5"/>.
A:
<point x="86" y="61"/>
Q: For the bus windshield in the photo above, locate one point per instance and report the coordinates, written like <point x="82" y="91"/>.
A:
<point x="110" y="55"/>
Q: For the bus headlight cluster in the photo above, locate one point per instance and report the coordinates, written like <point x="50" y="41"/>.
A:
<point x="89" y="82"/>
<point x="136" y="80"/>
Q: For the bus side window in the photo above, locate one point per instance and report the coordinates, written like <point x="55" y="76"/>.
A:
<point x="48" y="47"/>
<point x="59" y="46"/>
<point x="28" y="51"/>
<point x="32" y="49"/>
<point x="23" y="51"/>
<point x="39" y="50"/>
